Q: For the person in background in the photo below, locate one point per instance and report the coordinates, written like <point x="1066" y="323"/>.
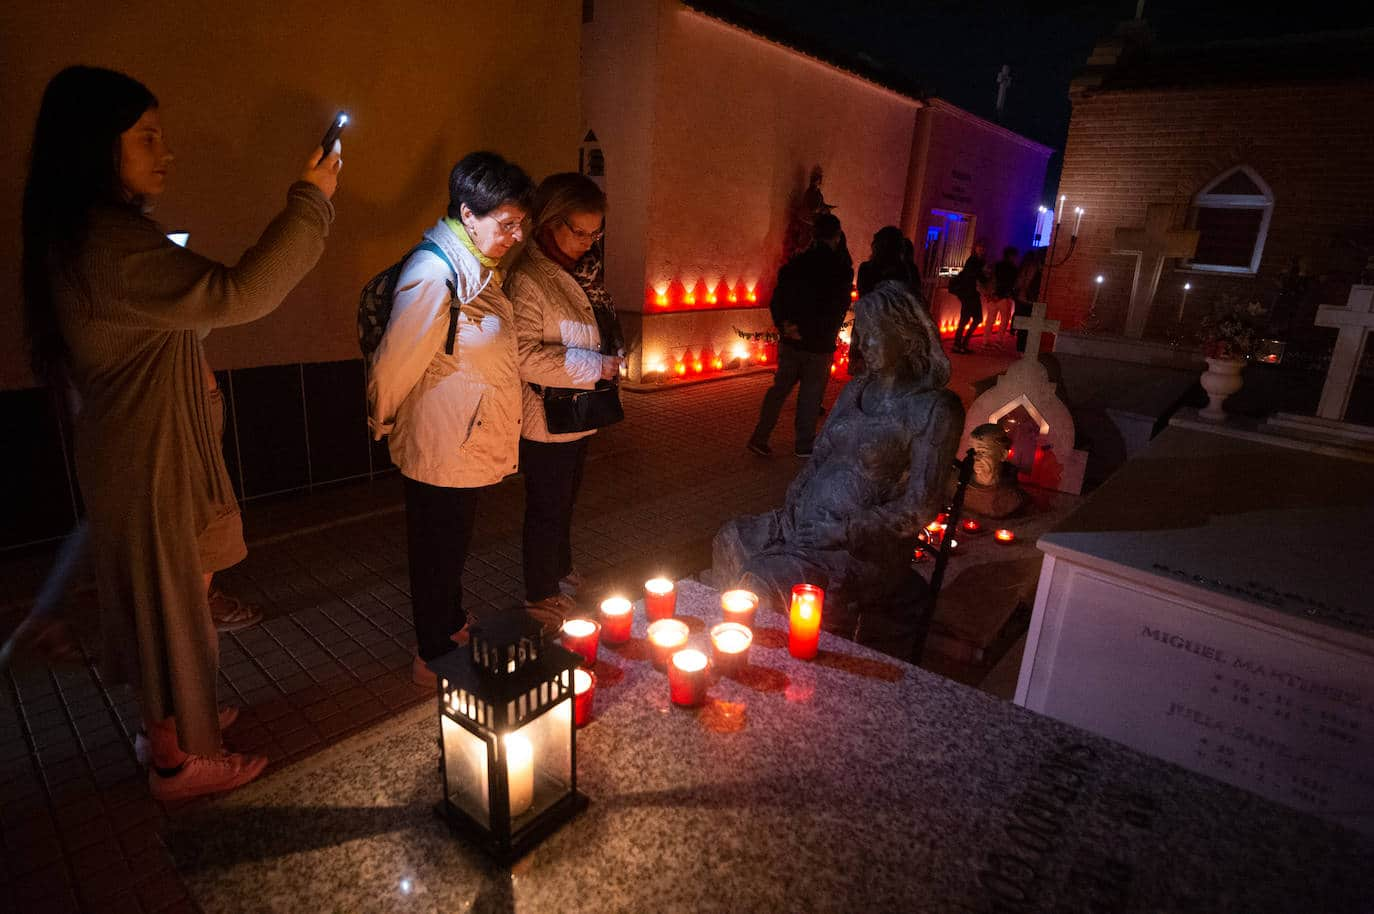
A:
<point x="569" y="337"/>
<point x="809" y="303"/>
<point x="966" y="286"/>
<point x="1004" y="275"/>
<point x="118" y="311"/>
<point x="1027" y="289"/>
<point x="446" y="388"/>
<point x="889" y="258"/>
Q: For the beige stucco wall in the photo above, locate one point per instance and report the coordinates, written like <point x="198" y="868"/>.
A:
<point x="247" y="87"/>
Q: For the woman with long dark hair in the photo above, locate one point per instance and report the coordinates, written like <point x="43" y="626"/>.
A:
<point x="116" y="310"/>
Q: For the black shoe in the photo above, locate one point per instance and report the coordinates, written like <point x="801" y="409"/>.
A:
<point x="803" y="450"/>
<point x="762" y="450"/>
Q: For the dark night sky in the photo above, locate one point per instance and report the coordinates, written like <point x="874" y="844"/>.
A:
<point x="955" y="49"/>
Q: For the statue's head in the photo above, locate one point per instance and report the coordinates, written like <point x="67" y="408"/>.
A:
<point x="990" y="446"/>
<point x="898" y="336"/>
<point x="817" y="175"/>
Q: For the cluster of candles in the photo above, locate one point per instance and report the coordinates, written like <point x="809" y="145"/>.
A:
<point x="689" y="670"/>
<point x="934" y="535"/>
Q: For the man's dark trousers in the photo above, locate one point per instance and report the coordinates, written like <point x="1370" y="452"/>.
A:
<point x="812" y="370"/>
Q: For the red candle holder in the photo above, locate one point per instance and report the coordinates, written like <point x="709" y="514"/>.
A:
<point x="919" y="555"/>
<point x="666" y="637"/>
<point x="687" y="678"/>
<point x="660" y="599"/>
<point x="730" y="643"/>
<point x="617" y="613"/>
<point x="739" y="606"/>
<point x="804" y="621"/>
<point x="970" y="526"/>
<point x="582" y="636"/>
<point x="1004" y="536"/>
<point x="584" y="694"/>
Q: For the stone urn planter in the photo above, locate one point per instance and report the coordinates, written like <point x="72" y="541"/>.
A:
<point x="1220" y="380"/>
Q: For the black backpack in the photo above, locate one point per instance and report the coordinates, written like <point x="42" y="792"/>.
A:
<point x="375" y="302"/>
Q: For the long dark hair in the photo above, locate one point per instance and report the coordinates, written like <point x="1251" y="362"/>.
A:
<point x="73" y="166"/>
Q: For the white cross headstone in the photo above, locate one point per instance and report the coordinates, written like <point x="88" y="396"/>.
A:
<point x="1035" y="326"/>
<point x="1356" y="321"/>
<point x="1156" y="242"/>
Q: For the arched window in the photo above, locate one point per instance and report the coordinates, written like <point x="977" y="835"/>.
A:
<point x="1231" y="215"/>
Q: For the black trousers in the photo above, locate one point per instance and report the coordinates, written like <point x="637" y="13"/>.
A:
<point x="438" y="532"/>
<point x="553" y="475"/>
<point x="970" y="316"/>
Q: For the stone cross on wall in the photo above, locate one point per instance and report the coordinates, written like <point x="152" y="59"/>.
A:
<point x="1151" y="245"/>
<point x="1036" y="326"/>
<point x="1356" y="321"/>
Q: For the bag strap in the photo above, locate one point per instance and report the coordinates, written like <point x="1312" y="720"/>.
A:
<point x="453" y="303"/>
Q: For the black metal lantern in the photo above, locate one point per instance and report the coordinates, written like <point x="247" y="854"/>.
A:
<point x="508" y="755"/>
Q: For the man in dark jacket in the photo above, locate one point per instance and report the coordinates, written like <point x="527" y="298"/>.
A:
<point x="965" y="288"/>
<point x="809" y="303"/>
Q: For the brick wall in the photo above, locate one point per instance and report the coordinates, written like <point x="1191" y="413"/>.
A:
<point x="1126" y="149"/>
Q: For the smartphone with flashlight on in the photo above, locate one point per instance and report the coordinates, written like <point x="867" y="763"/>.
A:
<point x="336" y="127"/>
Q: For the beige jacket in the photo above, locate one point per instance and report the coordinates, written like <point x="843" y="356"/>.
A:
<point x="560" y="345"/>
<point x="454" y="420"/>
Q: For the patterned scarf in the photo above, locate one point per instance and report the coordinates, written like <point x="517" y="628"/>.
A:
<point x="590" y="273"/>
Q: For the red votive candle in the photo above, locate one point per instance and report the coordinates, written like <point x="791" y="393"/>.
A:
<point x="918" y="555"/>
<point x="730" y="647"/>
<point x="1004" y="536"/>
<point x="804" y="624"/>
<point x="666" y="637"/>
<point x="584" y="692"/>
<point x="616" y="615"/>
<point x="970" y="526"/>
<point x="739" y="606"/>
<point x="687" y="678"/>
<point x="660" y="599"/>
<point x="582" y="636"/>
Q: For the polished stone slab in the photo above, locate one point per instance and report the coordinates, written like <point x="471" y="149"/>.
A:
<point x="852" y="783"/>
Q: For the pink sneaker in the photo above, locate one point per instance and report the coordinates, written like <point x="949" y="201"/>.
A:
<point x="143" y="748"/>
<point x="201" y="775"/>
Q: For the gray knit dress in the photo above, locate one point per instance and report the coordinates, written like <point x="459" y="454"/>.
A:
<point x="148" y="449"/>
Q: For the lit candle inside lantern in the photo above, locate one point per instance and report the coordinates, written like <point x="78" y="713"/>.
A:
<point x="730" y="643"/>
<point x="1077" y="211"/>
<point x="616" y="615"/>
<point x="582" y="636"/>
<point x="687" y="678"/>
<point x="666" y="636"/>
<point x="1005" y="536"/>
<point x="804" y="624"/>
<point x="520" y="772"/>
<point x="660" y="599"/>
<point x="584" y="692"/>
<point x="739" y="606"/>
<point x="970" y="526"/>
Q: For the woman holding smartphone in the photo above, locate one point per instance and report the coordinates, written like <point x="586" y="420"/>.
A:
<point x="116" y="310"/>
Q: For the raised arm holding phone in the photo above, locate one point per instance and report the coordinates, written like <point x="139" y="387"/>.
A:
<point x="116" y="310"/>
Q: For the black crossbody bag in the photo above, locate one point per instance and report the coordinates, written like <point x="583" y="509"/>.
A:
<point x="571" y="409"/>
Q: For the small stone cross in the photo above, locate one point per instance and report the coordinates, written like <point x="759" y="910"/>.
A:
<point x="1151" y="245"/>
<point x="1356" y="321"/>
<point x="1036" y="326"/>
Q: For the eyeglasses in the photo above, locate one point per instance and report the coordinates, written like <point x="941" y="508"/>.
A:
<point x="581" y="235"/>
<point x="510" y="228"/>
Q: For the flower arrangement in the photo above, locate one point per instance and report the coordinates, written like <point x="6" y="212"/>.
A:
<point x="1232" y="330"/>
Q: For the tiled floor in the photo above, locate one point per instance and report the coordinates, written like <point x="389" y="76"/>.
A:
<point x="79" y="829"/>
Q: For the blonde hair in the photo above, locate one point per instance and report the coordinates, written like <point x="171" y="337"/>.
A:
<point x="561" y="195"/>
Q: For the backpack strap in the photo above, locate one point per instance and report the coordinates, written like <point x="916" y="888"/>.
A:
<point x="453" y="303"/>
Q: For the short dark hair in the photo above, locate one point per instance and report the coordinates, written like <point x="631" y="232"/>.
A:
<point x="483" y="181"/>
<point x="1009" y="252"/>
<point x="827" y="227"/>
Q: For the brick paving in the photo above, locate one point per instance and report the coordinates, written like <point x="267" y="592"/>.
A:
<point x="80" y="831"/>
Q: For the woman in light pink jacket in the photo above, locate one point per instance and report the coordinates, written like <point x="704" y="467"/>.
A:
<point x="568" y="338"/>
